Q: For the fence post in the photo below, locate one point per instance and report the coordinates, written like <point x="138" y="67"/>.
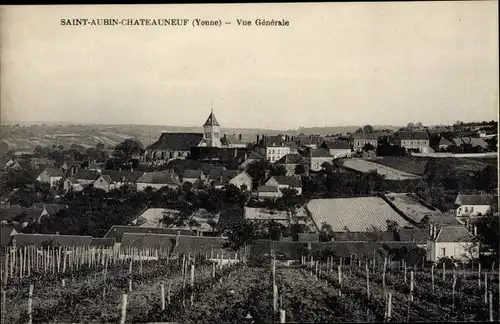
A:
<point x="282" y="316"/>
<point x="162" y="287"/>
<point x="124" y="309"/>
<point x="30" y="304"/>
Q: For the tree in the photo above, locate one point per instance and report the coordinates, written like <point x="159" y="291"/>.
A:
<point x="240" y="233"/>
<point x="368" y="147"/>
<point x="300" y="169"/>
<point x="278" y="170"/>
<point x="258" y="170"/>
<point x="99" y="146"/>
<point x="359" y="131"/>
<point x="368" y="129"/>
<point x="129" y="148"/>
<point x="326" y="232"/>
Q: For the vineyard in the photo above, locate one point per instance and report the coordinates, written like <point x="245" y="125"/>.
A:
<point x="144" y="286"/>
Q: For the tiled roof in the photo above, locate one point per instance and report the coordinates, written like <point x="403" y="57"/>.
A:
<point x="319" y="153"/>
<point x="294" y="182"/>
<point x="120" y="176"/>
<point x="107" y="178"/>
<point x="176" y="141"/>
<point x="86" y="175"/>
<point x="442" y="219"/>
<point x="416" y="235"/>
<point x="50" y="208"/>
<point x="336" y="145"/>
<point x="29" y="214"/>
<point x="54" y="172"/>
<point x="275" y="141"/>
<point x="445" y="142"/>
<point x="370" y="136"/>
<point x="117" y="231"/>
<point x="354" y="214"/>
<point x="187" y="244"/>
<point x="381" y="236"/>
<point x="475" y="200"/>
<point x="291" y="158"/>
<point x="268" y="189"/>
<point x="413" y="135"/>
<point x="40" y="239"/>
<point x="104" y="242"/>
<point x="192" y="174"/>
<point x="158" y="177"/>
<point x="454" y="234"/>
<point x="474" y="141"/>
<point x="6" y="233"/>
<point x="231" y="139"/>
<point x="211" y="120"/>
<point x="255" y="156"/>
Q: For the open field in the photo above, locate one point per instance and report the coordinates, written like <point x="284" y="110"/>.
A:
<point x="389" y="173"/>
<point x="327" y="290"/>
<point x="409" y="206"/>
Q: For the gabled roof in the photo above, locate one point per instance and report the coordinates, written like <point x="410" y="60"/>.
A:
<point x="268" y="189"/>
<point x="106" y="178"/>
<point x="418" y="236"/>
<point x="6" y="233"/>
<point x="254" y="156"/>
<point x="116" y="232"/>
<point x="475" y="200"/>
<point x="58" y="240"/>
<point x="320" y="152"/>
<point x="231" y="139"/>
<point x="473" y="141"/>
<point x="211" y="120"/>
<point x="413" y="135"/>
<point x="86" y="175"/>
<point x="159" y="177"/>
<point x="54" y="172"/>
<point x="192" y="174"/>
<point x="176" y="141"/>
<point x="14" y="214"/>
<point x="445" y="142"/>
<point x="455" y="234"/>
<point x="336" y="145"/>
<point x="291" y="158"/>
<point x="291" y="181"/>
<point x="275" y="141"/>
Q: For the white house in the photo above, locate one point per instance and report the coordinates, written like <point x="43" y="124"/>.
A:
<point x="337" y="149"/>
<point x="317" y="157"/>
<point x="240" y="179"/>
<point x="158" y="180"/>
<point x="51" y="176"/>
<point x="285" y="182"/>
<point x="451" y="242"/>
<point x="474" y="205"/>
<point x="274" y="148"/>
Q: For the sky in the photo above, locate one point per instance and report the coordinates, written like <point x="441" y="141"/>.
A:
<point x="335" y="64"/>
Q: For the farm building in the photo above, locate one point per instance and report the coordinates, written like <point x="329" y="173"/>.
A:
<point x="475" y="205"/>
<point x="40" y="240"/>
<point x="158" y="180"/>
<point x="389" y="173"/>
<point x="354" y="214"/>
<point x="451" y="242"/>
<point x="117" y="231"/>
<point x="409" y="206"/>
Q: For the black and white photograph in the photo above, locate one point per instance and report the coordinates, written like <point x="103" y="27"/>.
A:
<point x="249" y="163"/>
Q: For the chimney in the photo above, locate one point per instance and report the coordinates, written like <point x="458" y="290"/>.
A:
<point x="435" y="231"/>
<point x="258" y="138"/>
<point x="239" y="136"/>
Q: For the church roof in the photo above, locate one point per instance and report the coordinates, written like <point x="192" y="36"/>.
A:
<point x="211" y="120"/>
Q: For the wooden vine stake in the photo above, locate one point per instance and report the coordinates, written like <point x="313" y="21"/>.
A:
<point x="282" y="316"/>
<point x="168" y="291"/>
<point x="479" y="276"/>
<point x="444" y="271"/>
<point x="383" y="275"/>
<point x="411" y="285"/>
<point x="340" y="275"/>
<point x="432" y="276"/>
<point x="4" y="301"/>
<point x="453" y="291"/>
<point x="130" y="285"/>
<point x="389" y="306"/>
<point x="485" y="287"/>
<point x="275" y="298"/>
<point x="404" y="265"/>
<point x="490" y="300"/>
<point x="162" y="296"/>
<point x="124" y="309"/>
<point x="30" y="305"/>
<point x="192" y="284"/>
<point x="367" y="281"/>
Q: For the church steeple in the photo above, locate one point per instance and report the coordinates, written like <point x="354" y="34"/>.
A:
<point x="211" y="131"/>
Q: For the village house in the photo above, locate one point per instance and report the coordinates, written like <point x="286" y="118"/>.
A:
<point x="193" y="176"/>
<point x="361" y="139"/>
<point x="445" y="144"/>
<point x="274" y="148"/>
<point x="51" y="176"/>
<point x="113" y="179"/>
<point x="317" y="157"/>
<point x="414" y="141"/>
<point x="158" y="180"/>
<point x="253" y="157"/>
<point x="240" y="179"/>
<point x="272" y="192"/>
<point x="285" y="182"/>
<point x="291" y="161"/>
<point x="71" y="184"/>
<point x="71" y="168"/>
<point x="472" y="142"/>
<point x="81" y="180"/>
<point x="474" y="205"/>
<point x="337" y="149"/>
<point x="451" y="242"/>
<point x="311" y="141"/>
<point x="233" y="141"/>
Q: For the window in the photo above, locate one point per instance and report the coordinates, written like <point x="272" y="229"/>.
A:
<point x="443" y="251"/>
<point x="471" y="209"/>
<point x="466" y="209"/>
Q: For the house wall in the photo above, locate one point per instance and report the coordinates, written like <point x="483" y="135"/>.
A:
<point x="54" y="180"/>
<point x="275" y="153"/>
<point x="269" y="194"/>
<point x="190" y="180"/>
<point x="360" y="143"/>
<point x="473" y="210"/>
<point x="142" y="186"/>
<point x="338" y="153"/>
<point x="44" y="177"/>
<point x="458" y="251"/>
<point x="242" y="179"/>
<point x="100" y="183"/>
<point x="414" y="144"/>
<point x="316" y="162"/>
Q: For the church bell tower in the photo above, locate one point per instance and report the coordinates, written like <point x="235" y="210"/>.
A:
<point x="211" y="131"/>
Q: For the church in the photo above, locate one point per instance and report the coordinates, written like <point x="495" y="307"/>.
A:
<point x="197" y="146"/>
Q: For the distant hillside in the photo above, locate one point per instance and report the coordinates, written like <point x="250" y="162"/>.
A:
<point x="340" y="129"/>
